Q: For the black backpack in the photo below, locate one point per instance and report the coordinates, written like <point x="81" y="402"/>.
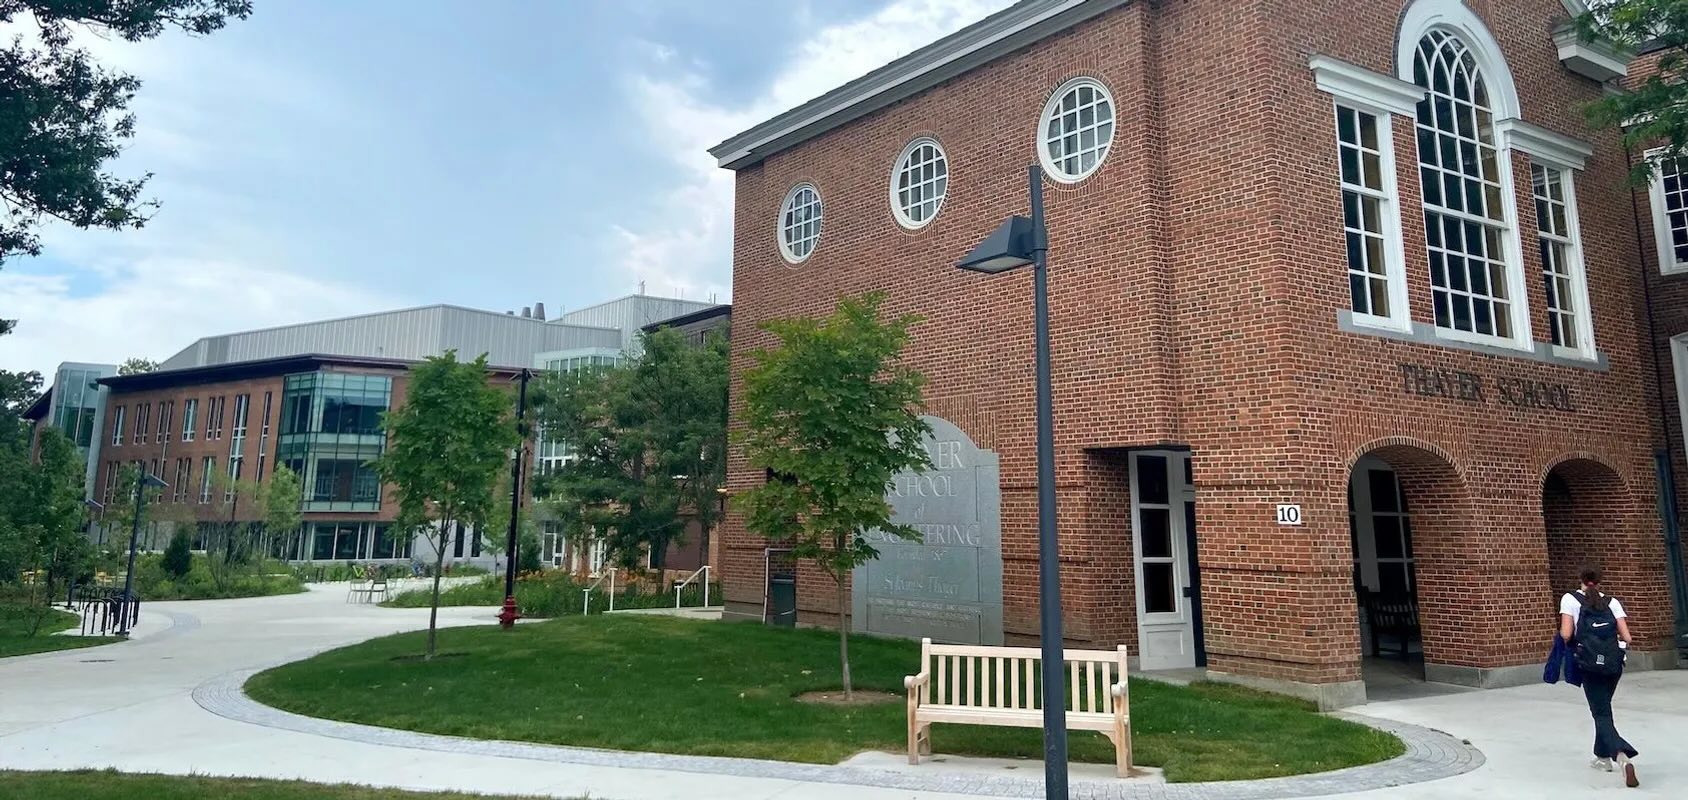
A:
<point x="1597" y="639"/>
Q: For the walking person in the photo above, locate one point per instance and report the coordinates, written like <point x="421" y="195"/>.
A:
<point x="1598" y="629"/>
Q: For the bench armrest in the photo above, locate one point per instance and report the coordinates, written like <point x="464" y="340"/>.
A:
<point x="1118" y="690"/>
<point x="914" y="681"/>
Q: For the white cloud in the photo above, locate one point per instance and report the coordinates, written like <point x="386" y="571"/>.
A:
<point x="154" y="308"/>
<point x="687" y="245"/>
<point x="210" y="262"/>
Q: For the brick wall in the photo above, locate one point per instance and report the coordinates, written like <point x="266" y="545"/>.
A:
<point x="1195" y="285"/>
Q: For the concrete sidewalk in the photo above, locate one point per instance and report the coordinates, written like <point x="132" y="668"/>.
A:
<point x="132" y="706"/>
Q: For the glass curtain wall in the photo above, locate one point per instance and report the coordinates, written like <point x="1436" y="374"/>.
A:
<point x="75" y="398"/>
<point x="330" y="432"/>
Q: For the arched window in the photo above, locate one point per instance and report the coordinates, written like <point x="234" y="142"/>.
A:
<point x="1465" y="219"/>
<point x="1465" y="176"/>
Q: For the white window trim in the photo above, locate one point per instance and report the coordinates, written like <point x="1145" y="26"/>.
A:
<point x="779" y="223"/>
<point x="1360" y="88"/>
<point x="1056" y="174"/>
<point x="1384" y="97"/>
<point x="1542" y="145"/>
<point x="1584" y="313"/>
<point x="1394" y="250"/>
<point x="896" y="171"/>
<point x="1455" y="17"/>
<point x="1668" y="265"/>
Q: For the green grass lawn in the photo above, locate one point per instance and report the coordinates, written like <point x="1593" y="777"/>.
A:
<point x="714" y="688"/>
<point x="16" y="641"/>
<point x="118" y="786"/>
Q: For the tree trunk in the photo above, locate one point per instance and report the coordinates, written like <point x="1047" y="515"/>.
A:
<point x="843" y="640"/>
<point x="434" y="607"/>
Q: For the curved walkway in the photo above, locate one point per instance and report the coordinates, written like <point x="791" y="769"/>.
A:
<point x="1430" y="755"/>
<point x="170" y="701"/>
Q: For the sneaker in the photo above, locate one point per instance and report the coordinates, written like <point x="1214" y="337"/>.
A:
<point x="1602" y="764"/>
<point x="1629" y="771"/>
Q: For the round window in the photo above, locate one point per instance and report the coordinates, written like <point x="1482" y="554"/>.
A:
<point x="1076" y="130"/>
<point x="918" y="183"/>
<point x="800" y="222"/>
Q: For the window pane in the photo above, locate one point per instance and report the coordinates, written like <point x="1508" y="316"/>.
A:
<point x="1386" y="528"/>
<point x="1151" y="480"/>
<point x="1159" y="594"/>
<point x="1156" y="533"/>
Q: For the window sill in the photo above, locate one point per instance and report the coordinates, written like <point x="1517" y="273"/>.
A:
<point x="1420" y="333"/>
<point x="1372" y="321"/>
<point x="1680" y="268"/>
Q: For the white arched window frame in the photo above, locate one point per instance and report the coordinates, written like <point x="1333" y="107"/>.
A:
<point x="1453" y="19"/>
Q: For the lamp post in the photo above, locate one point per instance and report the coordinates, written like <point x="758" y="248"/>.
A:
<point x="1015" y="243"/>
<point x="507" y="617"/>
<point x="96" y="507"/>
<point x="146" y="481"/>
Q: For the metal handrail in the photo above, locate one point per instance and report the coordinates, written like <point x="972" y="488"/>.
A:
<point x="586" y="594"/>
<point x="678" y="585"/>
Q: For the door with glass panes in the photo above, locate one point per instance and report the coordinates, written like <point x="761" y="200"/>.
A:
<point x="1163" y="501"/>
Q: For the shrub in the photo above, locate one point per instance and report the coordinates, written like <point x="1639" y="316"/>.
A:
<point x="527" y="553"/>
<point x="178" y="559"/>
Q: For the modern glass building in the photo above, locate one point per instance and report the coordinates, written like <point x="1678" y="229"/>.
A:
<point x="330" y="434"/>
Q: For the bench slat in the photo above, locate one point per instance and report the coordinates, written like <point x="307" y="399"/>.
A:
<point x="985" y="651"/>
<point x="1002" y="717"/>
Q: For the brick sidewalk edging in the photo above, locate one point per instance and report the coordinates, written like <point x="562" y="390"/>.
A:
<point x="1430" y="755"/>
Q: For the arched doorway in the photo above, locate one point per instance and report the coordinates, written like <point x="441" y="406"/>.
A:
<point x="1585" y="510"/>
<point x="1407" y="509"/>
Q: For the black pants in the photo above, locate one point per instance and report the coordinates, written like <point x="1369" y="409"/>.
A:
<point x="1598" y="690"/>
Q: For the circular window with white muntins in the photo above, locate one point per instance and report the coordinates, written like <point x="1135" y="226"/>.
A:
<point x="1077" y="128"/>
<point x="918" y="183"/>
<point x="800" y="222"/>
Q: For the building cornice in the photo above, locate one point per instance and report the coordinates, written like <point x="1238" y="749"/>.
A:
<point x="1599" y="60"/>
<point x="1542" y="144"/>
<point x="993" y="37"/>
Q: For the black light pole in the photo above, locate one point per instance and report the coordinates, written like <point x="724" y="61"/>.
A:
<point x="507" y="617"/>
<point x="146" y="481"/>
<point x="1016" y="243"/>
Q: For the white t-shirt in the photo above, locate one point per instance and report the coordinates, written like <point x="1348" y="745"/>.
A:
<point x="1572" y="604"/>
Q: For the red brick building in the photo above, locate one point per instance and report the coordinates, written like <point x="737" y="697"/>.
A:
<point x="1363" y="260"/>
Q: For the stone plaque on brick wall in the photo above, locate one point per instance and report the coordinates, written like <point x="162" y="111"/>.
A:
<point x="948" y="583"/>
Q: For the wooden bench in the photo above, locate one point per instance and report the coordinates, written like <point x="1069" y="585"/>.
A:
<point x="1395" y="615"/>
<point x="1000" y="686"/>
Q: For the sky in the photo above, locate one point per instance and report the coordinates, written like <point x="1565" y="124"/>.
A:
<point x="326" y="158"/>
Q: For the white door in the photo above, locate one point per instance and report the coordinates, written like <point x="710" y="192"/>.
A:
<point x="1160" y="489"/>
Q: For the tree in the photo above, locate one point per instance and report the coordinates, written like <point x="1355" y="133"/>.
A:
<point x="41" y="516"/>
<point x="63" y="117"/>
<point x="649" y="440"/>
<point x="178" y="555"/>
<point x="449" y="443"/>
<point x="279" y="503"/>
<point x="137" y="366"/>
<point x="833" y="415"/>
<point x="1654" y="111"/>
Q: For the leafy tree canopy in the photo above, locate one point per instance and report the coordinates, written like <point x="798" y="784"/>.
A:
<point x="63" y="117"/>
<point x="137" y="366"/>
<point x="832" y="415"/>
<point x="649" y="444"/>
<point x="1653" y="111"/>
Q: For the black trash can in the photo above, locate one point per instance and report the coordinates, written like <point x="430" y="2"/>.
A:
<point x="782" y="600"/>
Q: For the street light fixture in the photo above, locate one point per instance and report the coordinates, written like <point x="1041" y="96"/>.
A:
<point x="1015" y="243"/>
<point x="146" y="481"/>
